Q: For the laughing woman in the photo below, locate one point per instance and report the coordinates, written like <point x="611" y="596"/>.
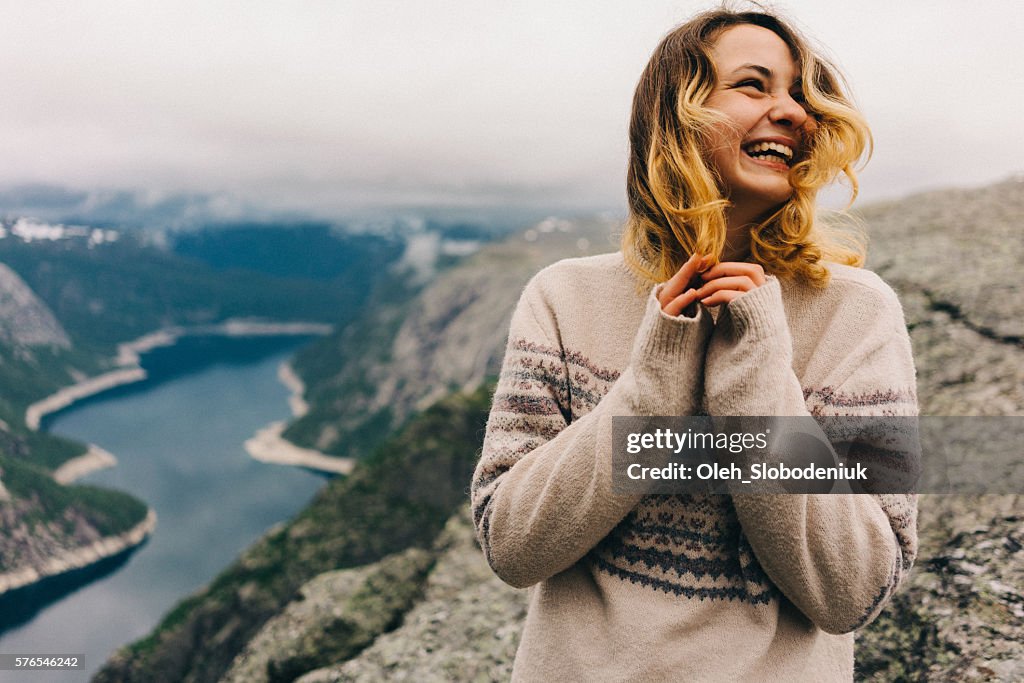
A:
<point x="726" y="299"/>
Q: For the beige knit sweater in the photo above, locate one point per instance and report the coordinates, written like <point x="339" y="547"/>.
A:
<point x="681" y="587"/>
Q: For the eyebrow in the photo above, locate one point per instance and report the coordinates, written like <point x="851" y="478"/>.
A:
<point x="763" y="70"/>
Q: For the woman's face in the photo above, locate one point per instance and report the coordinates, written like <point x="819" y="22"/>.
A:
<point x="759" y="93"/>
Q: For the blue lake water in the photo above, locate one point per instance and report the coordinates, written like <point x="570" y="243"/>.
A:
<point x="179" y="443"/>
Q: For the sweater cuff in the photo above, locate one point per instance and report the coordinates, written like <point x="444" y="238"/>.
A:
<point x="668" y="361"/>
<point x="668" y="337"/>
<point x="759" y="312"/>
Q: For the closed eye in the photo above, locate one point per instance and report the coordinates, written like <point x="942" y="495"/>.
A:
<point x="751" y="83"/>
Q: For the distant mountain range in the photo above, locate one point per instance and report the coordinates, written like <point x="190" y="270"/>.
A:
<point x="174" y="211"/>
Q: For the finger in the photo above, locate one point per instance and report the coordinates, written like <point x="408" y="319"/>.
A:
<point x="740" y="283"/>
<point x="722" y="297"/>
<point x="752" y="270"/>
<point x="681" y="302"/>
<point x="727" y="268"/>
<point x="678" y="283"/>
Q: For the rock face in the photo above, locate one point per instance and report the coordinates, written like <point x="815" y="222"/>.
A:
<point x="24" y="319"/>
<point x="332" y="618"/>
<point x="954" y="258"/>
<point x="962" y="250"/>
<point x="466" y="628"/>
<point x="338" y="614"/>
<point x="960" y="618"/>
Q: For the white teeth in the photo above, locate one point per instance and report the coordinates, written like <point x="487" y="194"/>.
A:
<point x="773" y="146"/>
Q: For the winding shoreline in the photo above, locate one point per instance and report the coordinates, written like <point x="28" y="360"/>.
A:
<point x="297" y="400"/>
<point x="92" y="460"/>
<point x="268" y="445"/>
<point x="68" y="396"/>
<point x="80" y="558"/>
<point x="130" y="371"/>
<point x="129" y="358"/>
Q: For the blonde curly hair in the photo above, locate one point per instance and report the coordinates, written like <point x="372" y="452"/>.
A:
<point x="676" y="207"/>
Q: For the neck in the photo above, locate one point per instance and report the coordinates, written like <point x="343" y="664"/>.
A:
<point x="737" y="237"/>
<point x="738" y="223"/>
<point x="736" y="249"/>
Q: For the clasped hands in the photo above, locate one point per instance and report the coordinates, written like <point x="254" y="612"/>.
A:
<point x="710" y="286"/>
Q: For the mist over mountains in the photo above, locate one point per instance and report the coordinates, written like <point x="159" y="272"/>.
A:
<point x="160" y="211"/>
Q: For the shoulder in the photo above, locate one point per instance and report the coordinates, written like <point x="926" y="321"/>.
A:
<point x="860" y="281"/>
<point x="604" y="276"/>
<point x="574" y="293"/>
<point x="855" y="307"/>
<point x="568" y="272"/>
<point x="855" y="294"/>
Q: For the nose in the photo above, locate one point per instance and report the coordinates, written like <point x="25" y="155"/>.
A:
<point x="786" y="111"/>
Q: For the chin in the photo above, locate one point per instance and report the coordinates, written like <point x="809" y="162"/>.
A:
<point x="780" y="198"/>
<point x="764" y="200"/>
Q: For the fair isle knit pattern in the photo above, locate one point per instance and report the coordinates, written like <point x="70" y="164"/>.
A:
<point x="687" y="587"/>
<point x="684" y="545"/>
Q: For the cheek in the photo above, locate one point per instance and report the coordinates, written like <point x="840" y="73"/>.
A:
<point x="724" y="139"/>
<point x="719" y="154"/>
<point x="810" y="126"/>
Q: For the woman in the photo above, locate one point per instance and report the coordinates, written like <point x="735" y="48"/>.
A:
<point x="736" y="123"/>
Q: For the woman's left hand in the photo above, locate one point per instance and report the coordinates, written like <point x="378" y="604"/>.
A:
<point x="729" y="280"/>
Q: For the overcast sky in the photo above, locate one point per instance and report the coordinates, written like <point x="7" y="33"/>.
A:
<point x="325" y="105"/>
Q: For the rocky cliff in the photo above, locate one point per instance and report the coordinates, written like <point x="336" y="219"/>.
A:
<point x="952" y="258"/>
<point x="24" y="319"/>
<point x="48" y="530"/>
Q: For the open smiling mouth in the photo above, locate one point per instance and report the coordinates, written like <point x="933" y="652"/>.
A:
<point x="770" y="151"/>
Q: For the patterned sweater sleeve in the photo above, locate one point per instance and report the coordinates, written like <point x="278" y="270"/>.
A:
<point x="838" y="558"/>
<point x="542" y="491"/>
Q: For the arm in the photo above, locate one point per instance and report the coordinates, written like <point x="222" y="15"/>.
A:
<point x="542" y="490"/>
<point x="838" y="558"/>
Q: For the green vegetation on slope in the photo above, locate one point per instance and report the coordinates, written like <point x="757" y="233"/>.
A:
<point x="50" y="451"/>
<point x="410" y="344"/>
<point x="109" y="512"/>
<point x="341" y="373"/>
<point x="399" y="497"/>
<point x="28" y="374"/>
<point x="52" y="513"/>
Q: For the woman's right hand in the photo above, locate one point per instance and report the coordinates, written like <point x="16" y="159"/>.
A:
<point x="677" y="296"/>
